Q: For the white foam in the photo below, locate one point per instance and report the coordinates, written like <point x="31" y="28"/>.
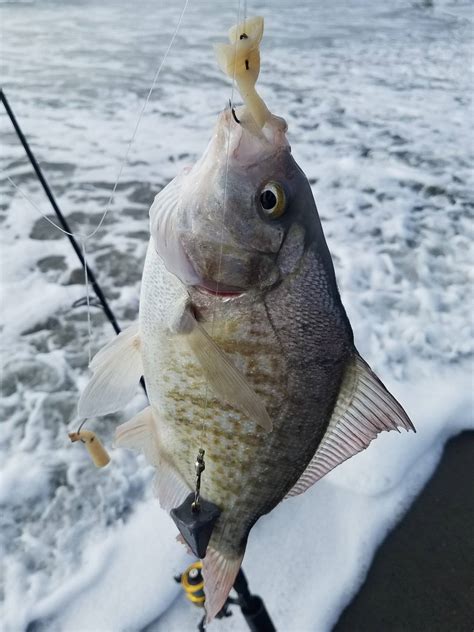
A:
<point x="377" y="115"/>
<point x="306" y="559"/>
<point x="126" y="577"/>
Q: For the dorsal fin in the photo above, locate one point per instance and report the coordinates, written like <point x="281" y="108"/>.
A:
<point x="363" y="409"/>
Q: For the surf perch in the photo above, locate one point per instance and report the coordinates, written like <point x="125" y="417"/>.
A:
<point x="242" y="339"/>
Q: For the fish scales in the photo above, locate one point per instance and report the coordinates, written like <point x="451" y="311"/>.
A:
<point x="205" y="420"/>
<point x="247" y="472"/>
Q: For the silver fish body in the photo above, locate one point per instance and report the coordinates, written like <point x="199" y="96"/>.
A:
<point x="243" y="342"/>
<point x="277" y="346"/>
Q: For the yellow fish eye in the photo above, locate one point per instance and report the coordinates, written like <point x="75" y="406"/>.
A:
<point x="273" y="200"/>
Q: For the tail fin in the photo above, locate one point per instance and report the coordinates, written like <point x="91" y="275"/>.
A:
<point x="219" y="573"/>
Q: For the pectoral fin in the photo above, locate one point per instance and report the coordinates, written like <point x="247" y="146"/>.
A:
<point x="116" y="369"/>
<point x="364" y="409"/>
<point x="225" y="379"/>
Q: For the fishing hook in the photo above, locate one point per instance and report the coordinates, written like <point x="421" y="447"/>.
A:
<point x="81" y="425"/>
<point x="234" y="115"/>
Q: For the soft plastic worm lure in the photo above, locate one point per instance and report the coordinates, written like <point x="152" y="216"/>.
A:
<point x="96" y="450"/>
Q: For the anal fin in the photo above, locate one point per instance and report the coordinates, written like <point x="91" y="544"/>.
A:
<point x="137" y="434"/>
<point x="170" y="487"/>
<point x="364" y="409"/>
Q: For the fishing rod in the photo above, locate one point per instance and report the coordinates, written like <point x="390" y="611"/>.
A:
<point x="252" y="606"/>
<point x="62" y="220"/>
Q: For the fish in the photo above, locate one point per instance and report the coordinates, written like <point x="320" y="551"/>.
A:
<point x="242" y="338"/>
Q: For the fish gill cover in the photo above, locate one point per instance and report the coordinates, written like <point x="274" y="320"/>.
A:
<point x="392" y="182"/>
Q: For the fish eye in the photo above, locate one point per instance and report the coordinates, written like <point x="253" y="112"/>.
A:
<point x="273" y="200"/>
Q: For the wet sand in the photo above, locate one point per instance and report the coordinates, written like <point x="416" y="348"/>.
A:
<point x="422" y="577"/>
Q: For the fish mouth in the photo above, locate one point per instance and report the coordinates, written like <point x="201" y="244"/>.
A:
<point x="219" y="289"/>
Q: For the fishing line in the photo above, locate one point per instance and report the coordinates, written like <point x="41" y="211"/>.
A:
<point x="89" y="324"/>
<point x="142" y="112"/>
<point x="37" y="208"/>
<point x="85" y="237"/>
<point x="224" y="209"/>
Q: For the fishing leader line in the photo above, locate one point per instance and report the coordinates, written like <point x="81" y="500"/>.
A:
<point x="142" y="112"/>
<point x="124" y="161"/>
<point x="221" y="238"/>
